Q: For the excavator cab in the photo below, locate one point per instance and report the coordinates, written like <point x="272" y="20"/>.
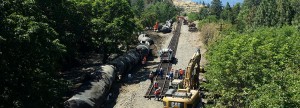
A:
<point x="176" y="84"/>
<point x="181" y="98"/>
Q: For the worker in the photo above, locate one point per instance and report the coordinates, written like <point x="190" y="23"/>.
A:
<point x="144" y="60"/>
<point x="119" y="78"/>
<point x="157" y="93"/>
<point x="161" y="73"/>
<point x="161" y="69"/>
<point x="176" y="74"/>
<point x="109" y="96"/>
<point x="151" y="76"/>
<point x="181" y="73"/>
<point x="156" y="72"/>
<point x="155" y="84"/>
<point x="168" y="76"/>
<point x="129" y="76"/>
<point x="171" y="74"/>
<point x="198" y="50"/>
<point x="155" y="27"/>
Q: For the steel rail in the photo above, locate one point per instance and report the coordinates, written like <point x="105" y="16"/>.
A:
<point x="163" y="82"/>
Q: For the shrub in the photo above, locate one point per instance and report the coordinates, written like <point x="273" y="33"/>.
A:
<point x="256" y="69"/>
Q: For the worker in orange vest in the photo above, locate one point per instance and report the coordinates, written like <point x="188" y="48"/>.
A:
<point x="155" y="27"/>
<point x="181" y="73"/>
<point x="156" y="93"/>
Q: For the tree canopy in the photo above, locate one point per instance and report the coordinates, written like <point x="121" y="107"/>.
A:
<point x="40" y="38"/>
<point x="158" y="12"/>
<point x="256" y="69"/>
<point x="216" y="8"/>
<point x="254" y="61"/>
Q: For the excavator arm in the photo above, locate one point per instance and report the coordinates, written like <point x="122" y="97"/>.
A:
<point x="192" y="72"/>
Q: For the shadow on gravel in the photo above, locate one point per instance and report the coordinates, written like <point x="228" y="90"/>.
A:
<point x="174" y="60"/>
<point x="138" y="74"/>
<point x="151" y="57"/>
<point x="115" y="91"/>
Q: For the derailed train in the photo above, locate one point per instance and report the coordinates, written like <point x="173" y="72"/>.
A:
<point x="95" y="94"/>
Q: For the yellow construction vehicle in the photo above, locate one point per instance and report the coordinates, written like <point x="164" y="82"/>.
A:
<point x="188" y="96"/>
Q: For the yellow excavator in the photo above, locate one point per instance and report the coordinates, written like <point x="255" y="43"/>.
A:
<point x="186" y="95"/>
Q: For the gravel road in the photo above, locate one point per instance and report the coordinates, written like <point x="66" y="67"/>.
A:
<point x="187" y="45"/>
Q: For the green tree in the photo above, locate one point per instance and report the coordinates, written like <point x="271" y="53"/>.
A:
<point x="248" y="12"/>
<point x="29" y="52"/>
<point x="148" y="19"/>
<point x="138" y="8"/>
<point x="249" y="3"/>
<point x="112" y="26"/>
<point x="227" y="13"/>
<point x="235" y="12"/>
<point x="216" y="8"/>
<point x="295" y="11"/>
<point x="284" y="12"/>
<point x="203" y="13"/>
<point x="160" y="11"/>
<point x="71" y="22"/>
<point x="193" y="16"/>
<point x="203" y="3"/>
<point x="266" y="14"/>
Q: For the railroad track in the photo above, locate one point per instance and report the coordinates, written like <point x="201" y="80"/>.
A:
<point x="164" y="82"/>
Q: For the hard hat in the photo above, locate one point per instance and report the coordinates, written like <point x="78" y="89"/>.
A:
<point x="197" y="49"/>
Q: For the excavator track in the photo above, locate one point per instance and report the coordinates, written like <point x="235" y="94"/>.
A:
<point x="163" y="82"/>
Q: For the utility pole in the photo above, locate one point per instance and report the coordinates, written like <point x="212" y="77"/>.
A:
<point x="221" y="26"/>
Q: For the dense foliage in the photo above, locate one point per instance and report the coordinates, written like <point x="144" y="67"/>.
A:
<point x="253" y="57"/>
<point x="38" y="39"/>
<point x="254" y="13"/>
<point x="29" y="52"/>
<point x="193" y="16"/>
<point x="216" y="8"/>
<point x="158" y="12"/>
<point x="257" y="69"/>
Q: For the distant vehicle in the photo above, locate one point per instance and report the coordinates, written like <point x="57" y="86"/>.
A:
<point x="191" y="24"/>
<point x="166" y="55"/>
<point x="185" y="22"/>
<point x="164" y="28"/>
<point x="192" y="27"/>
